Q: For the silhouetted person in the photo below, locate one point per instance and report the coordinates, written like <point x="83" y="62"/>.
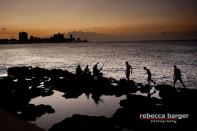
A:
<point x="86" y="70"/>
<point x="177" y="76"/>
<point x="79" y="71"/>
<point x="128" y="70"/>
<point x="96" y="71"/>
<point x="149" y="76"/>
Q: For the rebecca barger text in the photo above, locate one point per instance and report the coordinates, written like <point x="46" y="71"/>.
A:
<point x="163" y="118"/>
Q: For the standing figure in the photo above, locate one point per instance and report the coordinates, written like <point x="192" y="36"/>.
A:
<point x="128" y="70"/>
<point x="79" y="71"/>
<point x="177" y="76"/>
<point x="97" y="72"/>
<point x="149" y="76"/>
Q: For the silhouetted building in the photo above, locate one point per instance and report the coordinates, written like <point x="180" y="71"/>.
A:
<point x="72" y="38"/>
<point x="78" y="39"/>
<point x="31" y="37"/>
<point x="55" y="38"/>
<point x="58" y="37"/>
<point x="23" y="36"/>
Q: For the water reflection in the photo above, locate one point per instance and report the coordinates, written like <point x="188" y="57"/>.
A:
<point x="86" y="104"/>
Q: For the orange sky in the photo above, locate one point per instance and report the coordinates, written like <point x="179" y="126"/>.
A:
<point x="117" y="17"/>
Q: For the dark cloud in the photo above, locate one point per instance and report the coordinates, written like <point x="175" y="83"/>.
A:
<point x="3" y="28"/>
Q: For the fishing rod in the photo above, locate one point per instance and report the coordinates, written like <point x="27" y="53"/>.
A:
<point x="103" y="63"/>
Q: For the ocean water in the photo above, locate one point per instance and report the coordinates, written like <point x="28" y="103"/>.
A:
<point x="159" y="57"/>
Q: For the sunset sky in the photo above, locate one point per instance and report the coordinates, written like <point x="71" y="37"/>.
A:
<point x="122" y="18"/>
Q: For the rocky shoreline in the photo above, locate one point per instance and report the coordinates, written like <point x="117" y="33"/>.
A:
<point x="10" y="122"/>
<point x="24" y="83"/>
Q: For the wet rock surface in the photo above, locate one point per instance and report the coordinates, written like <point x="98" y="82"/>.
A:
<point x="24" y="83"/>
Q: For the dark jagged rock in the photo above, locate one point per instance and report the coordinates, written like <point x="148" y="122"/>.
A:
<point x="67" y="82"/>
<point x="24" y="83"/>
<point x="175" y="101"/>
<point x="20" y="86"/>
<point x="166" y="91"/>
<point x="18" y="72"/>
<point x="145" y="89"/>
<point x="30" y="72"/>
<point x="128" y="117"/>
<point x="31" y="112"/>
<point x="86" y="123"/>
<point x="72" y="95"/>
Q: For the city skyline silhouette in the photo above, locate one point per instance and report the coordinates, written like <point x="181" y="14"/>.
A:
<point x="124" y="20"/>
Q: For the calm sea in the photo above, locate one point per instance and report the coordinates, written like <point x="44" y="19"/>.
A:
<point x="159" y="57"/>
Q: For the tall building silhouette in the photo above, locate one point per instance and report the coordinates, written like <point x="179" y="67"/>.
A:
<point x="72" y="39"/>
<point x="23" y="36"/>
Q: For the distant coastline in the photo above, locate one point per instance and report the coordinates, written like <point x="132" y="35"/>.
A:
<point x="56" y="38"/>
<point x="60" y="38"/>
<point x="176" y="40"/>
